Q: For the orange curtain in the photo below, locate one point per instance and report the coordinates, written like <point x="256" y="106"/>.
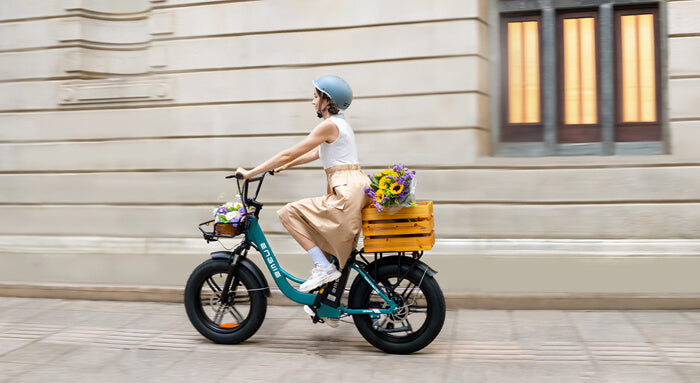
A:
<point x="523" y="72"/>
<point x="638" y="68"/>
<point x="580" y="93"/>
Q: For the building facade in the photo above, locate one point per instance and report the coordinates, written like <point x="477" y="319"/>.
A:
<point x="558" y="138"/>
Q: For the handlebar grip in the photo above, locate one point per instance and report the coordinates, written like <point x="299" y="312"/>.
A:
<point x="237" y="176"/>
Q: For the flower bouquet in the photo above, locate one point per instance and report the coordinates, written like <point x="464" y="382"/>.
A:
<point x="228" y="216"/>
<point x="395" y="221"/>
<point x="393" y="188"/>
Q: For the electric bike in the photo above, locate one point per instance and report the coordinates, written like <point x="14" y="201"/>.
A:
<point x="394" y="299"/>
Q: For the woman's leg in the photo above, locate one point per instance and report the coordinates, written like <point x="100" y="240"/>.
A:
<point x="300" y="238"/>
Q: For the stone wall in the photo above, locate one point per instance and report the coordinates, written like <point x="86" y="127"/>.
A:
<point x="118" y="121"/>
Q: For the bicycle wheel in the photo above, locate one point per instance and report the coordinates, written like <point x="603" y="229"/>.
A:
<point x="417" y="321"/>
<point x="224" y="322"/>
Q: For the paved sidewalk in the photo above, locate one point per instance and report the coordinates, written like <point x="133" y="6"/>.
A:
<point x="53" y="340"/>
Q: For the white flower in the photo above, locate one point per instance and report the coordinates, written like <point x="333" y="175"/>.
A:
<point x="229" y="206"/>
<point x="233" y="216"/>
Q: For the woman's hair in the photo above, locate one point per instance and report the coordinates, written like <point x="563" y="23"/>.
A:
<point x="332" y="105"/>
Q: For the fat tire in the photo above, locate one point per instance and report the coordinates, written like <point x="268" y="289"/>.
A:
<point x="360" y="293"/>
<point x="195" y="311"/>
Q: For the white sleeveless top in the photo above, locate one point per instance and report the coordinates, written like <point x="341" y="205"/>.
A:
<point x="343" y="150"/>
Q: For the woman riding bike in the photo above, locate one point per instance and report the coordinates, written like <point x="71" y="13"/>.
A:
<point x="327" y="225"/>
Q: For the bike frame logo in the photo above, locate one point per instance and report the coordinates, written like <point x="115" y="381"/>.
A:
<point x="270" y="259"/>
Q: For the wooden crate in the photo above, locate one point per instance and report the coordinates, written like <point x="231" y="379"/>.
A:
<point x="409" y="229"/>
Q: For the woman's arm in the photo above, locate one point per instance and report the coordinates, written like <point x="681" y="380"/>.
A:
<point x="325" y="131"/>
<point x="306" y="158"/>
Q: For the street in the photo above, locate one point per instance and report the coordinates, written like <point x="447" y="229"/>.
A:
<point x="54" y="340"/>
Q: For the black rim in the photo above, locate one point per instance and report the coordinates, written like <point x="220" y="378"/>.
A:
<point x="223" y="317"/>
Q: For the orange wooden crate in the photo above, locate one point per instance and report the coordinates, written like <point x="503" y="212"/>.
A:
<point x="409" y="229"/>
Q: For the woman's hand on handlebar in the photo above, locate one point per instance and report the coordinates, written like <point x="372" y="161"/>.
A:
<point x="244" y="174"/>
<point x="279" y="169"/>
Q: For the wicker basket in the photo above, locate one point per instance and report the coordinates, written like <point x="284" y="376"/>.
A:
<point x="409" y="229"/>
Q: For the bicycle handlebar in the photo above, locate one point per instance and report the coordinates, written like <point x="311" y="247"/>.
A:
<point x="244" y="191"/>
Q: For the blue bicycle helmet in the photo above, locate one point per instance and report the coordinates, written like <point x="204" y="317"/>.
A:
<point x="336" y="88"/>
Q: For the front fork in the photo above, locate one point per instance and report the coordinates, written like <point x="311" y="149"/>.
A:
<point x="228" y="296"/>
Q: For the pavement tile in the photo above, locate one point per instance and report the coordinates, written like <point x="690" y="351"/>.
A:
<point x="88" y="358"/>
<point x="112" y="319"/>
<point x="160" y="322"/>
<point x="101" y="306"/>
<point x="203" y="366"/>
<point x="670" y="316"/>
<point x="670" y="332"/>
<point x="37" y="353"/>
<point x="41" y="303"/>
<point x="142" y="365"/>
<point x="60" y="317"/>
<point x="693" y="315"/>
<point x="483" y="325"/>
<point x="620" y="373"/>
<point x="270" y="326"/>
<point x="269" y="367"/>
<point x="519" y="372"/>
<point x="8" y="345"/>
<point x="537" y="326"/>
<point x="605" y="326"/>
<point x="690" y="372"/>
<point x="154" y="342"/>
<point x="19" y="314"/>
<point x="538" y="333"/>
<point x="282" y="312"/>
<point x="540" y="316"/>
<point x="50" y="373"/>
<point x="9" y="370"/>
<point x="7" y="302"/>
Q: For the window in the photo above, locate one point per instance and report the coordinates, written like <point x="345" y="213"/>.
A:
<point x="637" y="73"/>
<point x="579" y="80"/>
<point x="522" y="74"/>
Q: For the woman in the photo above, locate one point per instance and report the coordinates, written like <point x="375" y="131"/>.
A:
<point x="328" y="225"/>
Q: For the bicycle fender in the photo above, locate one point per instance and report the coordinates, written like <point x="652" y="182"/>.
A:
<point x="248" y="265"/>
<point x="394" y="259"/>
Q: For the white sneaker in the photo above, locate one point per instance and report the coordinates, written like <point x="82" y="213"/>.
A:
<point x="331" y="322"/>
<point x="318" y="277"/>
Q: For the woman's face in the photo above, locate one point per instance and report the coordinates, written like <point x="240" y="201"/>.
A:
<point x="319" y="104"/>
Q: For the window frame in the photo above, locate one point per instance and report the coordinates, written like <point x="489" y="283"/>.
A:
<point x="577" y="133"/>
<point x="519" y="132"/>
<point x="650" y="131"/>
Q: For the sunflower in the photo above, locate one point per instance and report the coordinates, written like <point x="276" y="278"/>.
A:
<point x="387" y="172"/>
<point x="380" y="196"/>
<point x="381" y="174"/>
<point x="383" y="183"/>
<point x="396" y="188"/>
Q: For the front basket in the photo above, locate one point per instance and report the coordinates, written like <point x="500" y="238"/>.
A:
<point x="221" y="230"/>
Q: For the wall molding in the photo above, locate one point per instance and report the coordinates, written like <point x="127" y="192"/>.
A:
<point x="119" y="90"/>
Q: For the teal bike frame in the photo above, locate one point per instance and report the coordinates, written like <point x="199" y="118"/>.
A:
<point x="257" y="237"/>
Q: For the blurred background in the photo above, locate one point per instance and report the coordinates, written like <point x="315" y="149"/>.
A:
<point x="559" y="139"/>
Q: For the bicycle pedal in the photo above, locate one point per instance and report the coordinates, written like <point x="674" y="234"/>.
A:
<point x="312" y="313"/>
